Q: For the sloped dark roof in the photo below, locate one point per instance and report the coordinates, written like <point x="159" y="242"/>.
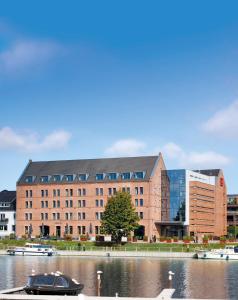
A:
<point x="209" y="172"/>
<point x="7" y="196"/>
<point x="90" y="167"/>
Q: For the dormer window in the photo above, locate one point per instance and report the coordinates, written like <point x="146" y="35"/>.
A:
<point x="29" y="179"/>
<point x="83" y="177"/>
<point x="99" y="176"/>
<point x="44" y="179"/>
<point x="126" y="175"/>
<point x="112" y="176"/>
<point x="139" y="175"/>
<point x="56" y="178"/>
<point x="69" y="178"/>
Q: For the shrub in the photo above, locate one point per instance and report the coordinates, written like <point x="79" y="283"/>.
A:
<point x="83" y="238"/>
<point x="175" y="239"/>
<point x="68" y="237"/>
<point x="12" y="236"/>
<point x="162" y="239"/>
<point x="145" y="238"/>
<point x="23" y="237"/>
<point x="99" y="238"/>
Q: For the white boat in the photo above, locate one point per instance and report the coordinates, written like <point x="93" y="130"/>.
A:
<point x="228" y="253"/>
<point x="33" y="250"/>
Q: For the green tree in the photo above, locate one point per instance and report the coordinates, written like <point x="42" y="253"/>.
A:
<point x="119" y="217"/>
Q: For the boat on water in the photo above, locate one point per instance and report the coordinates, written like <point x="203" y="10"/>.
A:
<point x="52" y="284"/>
<point x="228" y="253"/>
<point x="32" y="249"/>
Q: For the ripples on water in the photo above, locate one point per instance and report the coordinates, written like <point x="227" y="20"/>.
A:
<point x="133" y="277"/>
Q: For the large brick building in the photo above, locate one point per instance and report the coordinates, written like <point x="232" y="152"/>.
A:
<point x="197" y="203"/>
<point x="68" y="197"/>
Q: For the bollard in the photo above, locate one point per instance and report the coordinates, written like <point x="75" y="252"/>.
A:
<point x="170" y="279"/>
<point x="99" y="283"/>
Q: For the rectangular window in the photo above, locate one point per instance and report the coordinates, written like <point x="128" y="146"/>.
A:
<point x="71" y="216"/>
<point x="26" y="194"/>
<point x="54" y="216"/>
<point x="83" y="216"/>
<point x="141" y="215"/>
<point x="83" y="177"/>
<point x="126" y="176"/>
<point x="114" y="191"/>
<point x="44" y="179"/>
<point x="96" y="229"/>
<point x="42" y="204"/>
<point x="79" y="230"/>
<point x="58" y="192"/>
<point x="97" y="191"/>
<point x="79" y="216"/>
<point x="54" y="193"/>
<point x="30" y="193"/>
<point x="101" y="191"/>
<point x="58" y="203"/>
<point x="46" y="216"/>
<point x="54" y="203"/>
<point x="139" y="175"/>
<point x="136" y="190"/>
<point x="79" y="203"/>
<point x="71" y="203"/>
<point x="101" y="203"/>
<point x="79" y="192"/>
<point x="128" y="190"/>
<point x="136" y="202"/>
<point x="30" y="204"/>
<point x="97" y="215"/>
<point x="26" y="204"/>
<point x="112" y="176"/>
<point x="141" y="202"/>
<point x="66" y="216"/>
<point x="66" y="192"/>
<point x="46" y="193"/>
<point x="70" y="229"/>
<point x="83" y="229"/>
<point x="56" y="178"/>
<point x="141" y="190"/>
<point x="71" y="192"/>
<point x="42" y="193"/>
<point x="58" y="216"/>
<point x="69" y="178"/>
<point x="97" y="204"/>
<point x="109" y="191"/>
<point x="66" y="203"/>
<point x="42" y="216"/>
<point x="84" y="192"/>
<point x="46" y="203"/>
<point x="26" y="216"/>
<point x="29" y="179"/>
<point x="99" y="176"/>
<point x="83" y="203"/>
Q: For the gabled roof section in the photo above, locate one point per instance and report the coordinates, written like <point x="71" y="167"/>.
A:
<point x="7" y="196"/>
<point x="91" y="167"/>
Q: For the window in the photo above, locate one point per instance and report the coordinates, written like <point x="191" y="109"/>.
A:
<point x="83" y="177"/>
<point x="84" y="192"/>
<point x="141" y="190"/>
<point x="26" y="194"/>
<point x="112" y="176"/>
<point x="114" y="191"/>
<point x="46" y="203"/>
<point x="54" y="216"/>
<point x="26" y="217"/>
<point x="42" y="193"/>
<point x="46" y="193"/>
<point x="97" y="215"/>
<point x="54" y="193"/>
<point x="58" y="192"/>
<point x="81" y="229"/>
<point x="70" y="229"/>
<point x="29" y="179"/>
<point x="126" y="175"/>
<point x="42" y="204"/>
<point x="71" y="192"/>
<point x="79" y="192"/>
<point x="54" y="203"/>
<point x="61" y="281"/>
<point x="97" y="203"/>
<point x="30" y="204"/>
<point x="42" y="216"/>
<point x="128" y="190"/>
<point x="56" y="178"/>
<point x="30" y="193"/>
<point x="66" y="203"/>
<point x="97" y="191"/>
<point x="139" y="175"/>
<point x="83" y="216"/>
<point x="136" y="202"/>
<point x="141" y="202"/>
<point x="44" y="179"/>
<point x="79" y="203"/>
<point x="83" y="203"/>
<point x="66" y="216"/>
<point x="141" y="215"/>
<point x="46" y="216"/>
<point x="69" y="178"/>
<point x="97" y="231"/>
<point x="67" y="192"/>
<point x="58" y="216"/>
<point x="26" y="204"/>
<point x="136" y="190"/>
<point x="99" y="176"/>
<point x="101" y="203"/>
<point x="110" y="191"/>
<point x="58" y="203"/>
<point x="70" y="203"/>
<point x="101" y="191"/>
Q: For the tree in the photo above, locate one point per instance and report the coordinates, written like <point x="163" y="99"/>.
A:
<point x="119" y="217"/>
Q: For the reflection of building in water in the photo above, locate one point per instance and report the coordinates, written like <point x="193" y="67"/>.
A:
<point x="206" y="278"/>
<point x="197" y="204"/>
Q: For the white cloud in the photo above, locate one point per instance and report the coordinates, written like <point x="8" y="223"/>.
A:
<point x="126" y="147"/>
<point x="224" y="122"/>
<point x="30" y="142"/>
<point x="25" y="54"/>
<point x="200" y="160"/>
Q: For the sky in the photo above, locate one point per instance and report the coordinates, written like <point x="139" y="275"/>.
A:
<point x="92" y="79"/>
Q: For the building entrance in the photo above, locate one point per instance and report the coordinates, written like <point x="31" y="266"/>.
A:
<point x="58" y="231"/>
<point x="140" y="232"/>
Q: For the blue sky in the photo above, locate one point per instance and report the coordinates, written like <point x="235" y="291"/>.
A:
<point x="87" y="79"/>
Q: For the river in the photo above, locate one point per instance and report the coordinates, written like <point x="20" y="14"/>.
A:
<point x="142" y="277"/>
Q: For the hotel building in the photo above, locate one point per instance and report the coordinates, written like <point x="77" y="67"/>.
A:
<point x="69" y="197"/>
<point x="197" y="203"/>
<point x="7" y="213"/>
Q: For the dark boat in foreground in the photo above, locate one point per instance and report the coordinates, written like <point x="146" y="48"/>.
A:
<point x="52" y="284"/>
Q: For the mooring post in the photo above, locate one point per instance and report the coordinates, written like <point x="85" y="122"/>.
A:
<point x="99" y="283"/>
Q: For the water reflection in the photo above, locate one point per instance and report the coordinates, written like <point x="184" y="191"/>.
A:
<point x="131" y="276"/>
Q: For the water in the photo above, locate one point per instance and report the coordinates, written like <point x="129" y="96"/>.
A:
<point x="142" y="277"/>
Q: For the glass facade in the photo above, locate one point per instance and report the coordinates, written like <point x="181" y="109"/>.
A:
<point x="177" y="209"/>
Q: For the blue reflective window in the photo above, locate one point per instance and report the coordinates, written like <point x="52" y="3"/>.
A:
<point x="69" y="177"/>
<point x="83" y="177"/>
<point x="126" y="175"/>
<point x="44" y="179"/>
<point x="56" y="178"/>
<point x="99" y="176"/>
<point x="139" y="175"/>
<point x="29" y="179"/>
<point x="112" y="176"/>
